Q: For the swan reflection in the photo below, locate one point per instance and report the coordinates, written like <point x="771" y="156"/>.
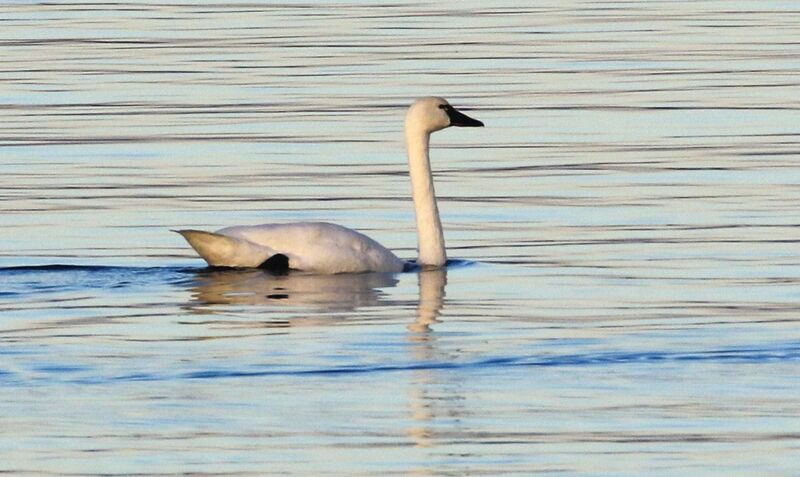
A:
<point x="258" y="287"/>
<point x="433" y="396"/>
<point x="422" y="349"/>
<point x="431" y="300"/>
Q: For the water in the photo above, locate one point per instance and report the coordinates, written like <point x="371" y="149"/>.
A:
<point x="626" y="300"/>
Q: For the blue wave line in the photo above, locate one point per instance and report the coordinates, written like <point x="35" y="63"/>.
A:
<point x="790" y="352"/>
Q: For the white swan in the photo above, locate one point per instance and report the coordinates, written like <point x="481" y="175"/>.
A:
<point x="328" y="248"/>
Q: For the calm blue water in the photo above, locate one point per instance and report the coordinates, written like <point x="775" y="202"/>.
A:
<point x="626" y="296"/>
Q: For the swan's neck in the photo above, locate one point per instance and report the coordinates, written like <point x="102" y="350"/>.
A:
<point x="429" y="226"/>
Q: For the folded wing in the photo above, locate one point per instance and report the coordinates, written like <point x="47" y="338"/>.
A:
<point x="225" y="251"/>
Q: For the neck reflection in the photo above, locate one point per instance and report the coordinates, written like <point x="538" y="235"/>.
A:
<point x="431" y="300"/>
<point x="433" y="393"/>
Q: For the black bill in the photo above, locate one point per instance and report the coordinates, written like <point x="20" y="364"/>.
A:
<point x="457" y="118"/>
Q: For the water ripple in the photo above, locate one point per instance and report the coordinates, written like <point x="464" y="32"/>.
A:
<point x="786" y="352"/>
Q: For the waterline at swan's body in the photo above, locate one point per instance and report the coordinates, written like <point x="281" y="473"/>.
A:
<point x="328" y="248"/>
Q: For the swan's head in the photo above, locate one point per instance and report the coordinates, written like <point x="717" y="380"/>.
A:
<point x="434" y="114"/>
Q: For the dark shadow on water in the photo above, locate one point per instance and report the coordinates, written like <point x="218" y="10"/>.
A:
<point x="411" y="266"/>
<point x="58" y="278"/>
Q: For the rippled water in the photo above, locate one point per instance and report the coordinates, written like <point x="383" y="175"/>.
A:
<point x="627" y="297"/>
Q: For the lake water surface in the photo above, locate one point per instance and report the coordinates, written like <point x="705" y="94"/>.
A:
<point x="626" y="225"/>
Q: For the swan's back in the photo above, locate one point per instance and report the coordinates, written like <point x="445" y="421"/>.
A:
<point x="320" y="247"/>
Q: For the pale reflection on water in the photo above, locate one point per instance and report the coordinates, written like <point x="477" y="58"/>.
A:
<point x="629" y="212"/>
<point x="422" y="406"/>
<point x="258" y="287"/>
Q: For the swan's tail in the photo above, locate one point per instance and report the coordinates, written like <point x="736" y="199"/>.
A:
<point x="224" y="251"/>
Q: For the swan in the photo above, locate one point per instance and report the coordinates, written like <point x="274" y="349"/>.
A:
<point x="324" y="248"/>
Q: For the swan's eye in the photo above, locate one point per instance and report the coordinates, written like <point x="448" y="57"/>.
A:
<point x="445" y="106"/>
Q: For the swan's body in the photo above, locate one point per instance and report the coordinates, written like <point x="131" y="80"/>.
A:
<point x="311" y="246"/>
<point x="328" y="248"/>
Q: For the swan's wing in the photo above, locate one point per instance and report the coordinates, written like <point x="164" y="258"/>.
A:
<point x="225" y="251"/>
